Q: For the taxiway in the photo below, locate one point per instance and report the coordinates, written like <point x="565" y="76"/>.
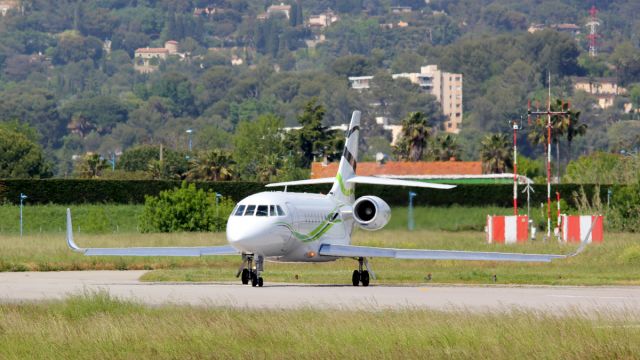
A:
<point x="37" y="286"/>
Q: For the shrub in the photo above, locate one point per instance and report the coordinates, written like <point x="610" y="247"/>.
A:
<point x="185" y="209"/>
<point x="625" y="208"/>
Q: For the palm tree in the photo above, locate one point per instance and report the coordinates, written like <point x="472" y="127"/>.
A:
<point x="214" y="165"/>
<point x="571" y="126"/>
<point x="496" y="154"/>
<point x="413" y="139"/>
<point x="444" y="148"/>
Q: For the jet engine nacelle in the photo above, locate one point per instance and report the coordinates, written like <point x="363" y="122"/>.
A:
<point x="371" y="212"/>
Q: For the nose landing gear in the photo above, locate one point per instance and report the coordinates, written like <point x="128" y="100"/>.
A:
<point x="250" y="273"/>
<point x="361" y="276"/>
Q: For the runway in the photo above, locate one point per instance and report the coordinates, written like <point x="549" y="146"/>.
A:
<point x="36" y="286"/>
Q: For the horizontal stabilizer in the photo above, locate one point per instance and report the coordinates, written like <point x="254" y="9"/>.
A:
<point x="304" y="182"/>
<point x="364" y="251"/>
<point x="146" y="251"/>
<point x="395" y="182"/>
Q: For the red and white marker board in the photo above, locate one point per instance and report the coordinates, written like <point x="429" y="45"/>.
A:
<point x="507" y="229"/>
<point x="576" y="227"/>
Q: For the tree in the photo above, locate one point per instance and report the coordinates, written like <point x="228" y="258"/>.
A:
<point x="603" y="168"/>
<point x="352" y="65"/>
<point x="91" y="166"/>
<point x="139" y="158"/>
<point x="73" y="47"/>
<point x="102" y="112"/>
<point x="213" y="165"/>
<point x="254" y="142"/>
<point x="21" y="157"/>
<point x="313" y="139"/>
<point x="626" y="59"/>
<point x="495" y="153"/>
<point x="444" y="148"/>
<point x="413" y="138"/>
<point x="34" y="106"/>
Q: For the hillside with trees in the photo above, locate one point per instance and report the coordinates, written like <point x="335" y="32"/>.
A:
<point x="77" y="93"/>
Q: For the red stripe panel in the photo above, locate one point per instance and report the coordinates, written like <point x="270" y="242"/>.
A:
<point x="523" y="228"/>
<point x="498" y="229"/>
<point x="597" y="233"/>
<point x="573" y="229"/>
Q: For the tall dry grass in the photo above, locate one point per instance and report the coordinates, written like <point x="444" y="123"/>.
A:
<point x="99" y="327"/>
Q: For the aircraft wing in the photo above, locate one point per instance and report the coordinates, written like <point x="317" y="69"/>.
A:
<point x="304" y="182"/>
<point x="147" y="251"/>
<point x="373" y="180"/>
<point x="365" y="251"/>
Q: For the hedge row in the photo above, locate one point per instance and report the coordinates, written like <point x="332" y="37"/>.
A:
<point x="74" y="191"/>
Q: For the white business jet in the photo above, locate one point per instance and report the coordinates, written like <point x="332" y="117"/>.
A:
<point x="302" y="227"/>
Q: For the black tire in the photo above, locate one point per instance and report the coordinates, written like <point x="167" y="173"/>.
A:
<point x="254" y="279"/>
<point x="355" y="278"/>
<point x="246" y="276"/>
<point x="364" y="278"/>
<point x="260" y="282"/>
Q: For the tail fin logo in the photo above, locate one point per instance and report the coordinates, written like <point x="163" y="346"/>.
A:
<point x="350" y="159"/>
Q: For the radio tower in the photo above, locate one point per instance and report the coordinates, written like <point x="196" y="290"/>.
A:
<point x="593" y="31"/>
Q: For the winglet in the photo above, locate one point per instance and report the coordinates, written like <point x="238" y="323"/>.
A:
<point x="72" y="245"/>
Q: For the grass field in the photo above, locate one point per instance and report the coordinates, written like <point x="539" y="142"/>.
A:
<point x="43" y="249"/>
<point x="99" y="327"/>
<point x="102" y="219"/>
<point x="617" y="261"/>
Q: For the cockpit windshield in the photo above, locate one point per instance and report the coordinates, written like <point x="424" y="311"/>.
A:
<point x="250" y="210"/>
<point x="259" y="210"/>
<point x="263" y="210"/>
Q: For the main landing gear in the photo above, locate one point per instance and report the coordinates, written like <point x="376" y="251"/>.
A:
<point x="249" y="273"/>
<point x="360" y="276"/>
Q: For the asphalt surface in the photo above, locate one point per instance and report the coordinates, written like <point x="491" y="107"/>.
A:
<point x="36" y="286"/>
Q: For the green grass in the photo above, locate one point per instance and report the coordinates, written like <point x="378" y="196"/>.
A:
<point x="103" y="219"/>
<point x="94" y="219"/>
<point x="99" y="327"/>
<point x="617" y="261"/>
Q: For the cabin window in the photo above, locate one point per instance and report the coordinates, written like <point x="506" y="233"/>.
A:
<point x="280" y="211"/>
<point x="263" y="210"/>
<point x="272" y="210"/>
<point x="239" y="210"/>
<point x="250" y="210"/>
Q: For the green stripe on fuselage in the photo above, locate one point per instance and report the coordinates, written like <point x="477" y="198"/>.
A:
<point x="316" y="232"/>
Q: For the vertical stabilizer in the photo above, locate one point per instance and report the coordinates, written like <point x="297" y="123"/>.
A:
<point x="342" y="190"/>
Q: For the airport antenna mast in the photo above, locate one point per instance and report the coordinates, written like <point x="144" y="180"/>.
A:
<point x="549" y="114"/>
<point x="593" y="24"/>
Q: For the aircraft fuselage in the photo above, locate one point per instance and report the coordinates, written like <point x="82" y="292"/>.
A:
<point x="289" y="227"/>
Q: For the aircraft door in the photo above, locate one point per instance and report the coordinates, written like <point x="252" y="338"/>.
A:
<point x="293" y="217"/>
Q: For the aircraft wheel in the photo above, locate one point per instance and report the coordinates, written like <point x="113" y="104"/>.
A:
<point x="254" y="279"/>
<point x="246" y="276"/>
<point x="355" y="278"/>
<point x="260" y="282"/>
<point x="364" y="278"/>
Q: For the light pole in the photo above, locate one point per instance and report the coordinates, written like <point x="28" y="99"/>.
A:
<point x="112" y="160"/>
<point x="218" y="196"/>
<point x="189" y="131"/>
<point x="410" y="221"/>
<point x="22" y="198"/>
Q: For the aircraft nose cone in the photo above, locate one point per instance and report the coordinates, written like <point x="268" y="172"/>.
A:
<point x="244" y="237"/>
